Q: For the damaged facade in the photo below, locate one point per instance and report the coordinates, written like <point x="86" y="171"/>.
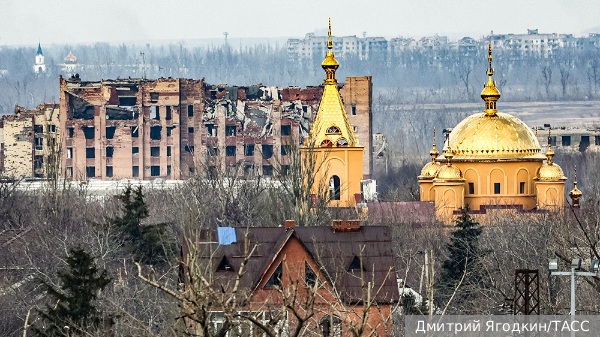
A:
<point x="166" y="128"/>
<point x="28" y="138"/>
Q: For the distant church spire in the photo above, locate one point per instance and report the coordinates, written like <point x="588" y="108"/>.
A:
<point x="490" y="93"/>
<point x="39" y="51"/>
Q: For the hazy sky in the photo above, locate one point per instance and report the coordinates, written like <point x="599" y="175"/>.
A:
<point x="25" y="22"/>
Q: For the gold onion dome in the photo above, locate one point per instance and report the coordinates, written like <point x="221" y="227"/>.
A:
<point x="575" y="193"/>
<point x="493" y="135"/>
<point x="449" y="171"/>
<point x="550" y="171"/>
<point x="431" y="168"/>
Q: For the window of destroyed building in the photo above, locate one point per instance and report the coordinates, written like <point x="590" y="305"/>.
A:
<point x="168" y="170"/>
<point x="170" y="130"/>
<point x="89" y="132"/>
<point x="212" y="150"/>
<point x="109" y="171"/>
<point x="189" y="148"/>
<point x="69" y="152"/>
<point x="267" y="151"/>
<point x="154" y="112"/>
<point x="190" y="130"/>
<point x="90" y="171"/>
<point x="135" y="171"/>
<point x="38" y="164"/>
<point x="566" y="140"/>
<point x="286" y="130"/>
<point x="155" y="151"/>
<point x="230" y="151"/>
<point x="135" y="152"/>
<point x="38" y="129"/>
<point x="90" y="152"/>
<point x="169" y="150"/>
<point x="110" y="132"/>
<point x="155" y="132"/>
<point x="285" y="170"/>
<point x="597" y="140"/>
<point x="127" y="100"/>
<point x="267" y="170"/>
<point x="39" y="143"/>
<point x="154" y="171"/>
<point x="190" y="111"/>
<point x="69" y="171"/>
<point x="285" y="149"/>
<point x="211" y="130"/>
<point x="354" y="110"/>
<point x="248" y="169"/>
<point x="109" y="151"/>
<point x="153" y="97"/>
<point x="71" y="132"/>
<point x="168" y="115"/>
<point x="230" y="130"/>
<point x="249" y="150"/>
<point x="135" y="131"/>
<point x="584" y="143"/>
<point x="51" y="128"/>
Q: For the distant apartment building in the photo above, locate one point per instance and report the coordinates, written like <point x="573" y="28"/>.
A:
<point x="171" y="128"/>
<point x="300" y="50"/>
<point x="28" y="138"/>
<point x="570" y="139"/>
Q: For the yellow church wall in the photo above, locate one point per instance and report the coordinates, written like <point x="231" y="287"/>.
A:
<point x="449" y="197"/>
<point x="426" y="190"/>
<point x="508" y="174"/>
<point x="550" y="194"/>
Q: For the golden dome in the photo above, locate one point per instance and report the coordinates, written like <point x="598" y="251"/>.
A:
<point x="430" y="169"/>
<point x="449" y="171"/>
<point x="575" y="193"/>
<point x="330" y="64"/>
<point x="493" y="138"/>
<point x="550" y="172"/>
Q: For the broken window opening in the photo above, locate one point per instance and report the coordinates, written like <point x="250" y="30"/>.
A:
<point x="190" y="111"/>
<point x="168" y="115"/>
<point x="230" y="151"/>
<point x="135" y="152"/>
<point x="267" y="170"/>
<point x="90" y="171"/>
<point x="354" y="110"/>
<point x="230" y="130"/>
<point x="211" y="130"/>
<point x="168" y="170"/>
<point x="597" y="140"/>
<point x="110" y="132"/>
<point x="155" y="151"/>
<point x="212" y="151"/>
<point x="69" y="171"/>
<point x="71" y="132"/>
<point x="276" y="277"/>
<point x="170" y="130"/>
<point x="249" y="150"/>
<point x="285" y="170"/>
<point x="355" y="264"/>
<point x="566" y="140"/>
<point x="69" y="152"/>
<point x="153" y="97"/>
<point x="285" y="150"/>
<point x="309" y="275"/>
<point x="155" y="112"/>
<point x="169" y="150"/>
<point x="584" y="143"/>
<point x="334" y="188"/>
<point x="286" y="130"/>
<point x="134" y="131"/>
<point x="224" y="265"/>
<point x="155" y="132"/>
<point x="38" y="162"/>
<point x="248" y="169"/>
<point x="127" y="100"/>
<point x="213" y="94"/>
<point x="122" y="112"/>
<point x="38" y="129"/>
<point x="135" y="171"/>
<point x="190" y="130"/>
<point x="80" y="108"/>
<point x="39" y="143"/>
<point x="267" y="151"/>
<point x="155" y="171"/>
<point x="109" y="171"/>
<point x="52" y="128"/>
<point x="89" y="132"/>
<point x="189" y="148"/>
<point x="109" y="151"/>
<point x="90" y="152"/>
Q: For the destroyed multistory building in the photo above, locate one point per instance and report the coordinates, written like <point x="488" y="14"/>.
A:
<point x="28" y="139"/>
<point x="167" y="128"/>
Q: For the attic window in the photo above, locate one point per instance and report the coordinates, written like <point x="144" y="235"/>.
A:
<point x="355" y="265"/>
<point x="224" y="265"/>
<point x="333" y="129"/>
<point x="309" y="275"/>
<point x="275" y="279"/>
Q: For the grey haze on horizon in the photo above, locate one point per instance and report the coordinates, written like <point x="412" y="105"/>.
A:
<point x="83" y="22"/>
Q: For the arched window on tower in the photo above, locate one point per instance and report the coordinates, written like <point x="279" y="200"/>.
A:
<point x="333" y="129"/>
<point x="334" y="188"/>
<point x="326" y="143"/>
<point x="342" y="143"/>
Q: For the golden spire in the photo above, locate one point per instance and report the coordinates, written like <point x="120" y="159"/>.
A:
<point x="330" y="64"/>
<point x="549" y="153"/>
<point x="331" y="126"/>
<point x="490" y="93"/>
<point x="575" y="193"/>
<point x="434" y="152"/>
